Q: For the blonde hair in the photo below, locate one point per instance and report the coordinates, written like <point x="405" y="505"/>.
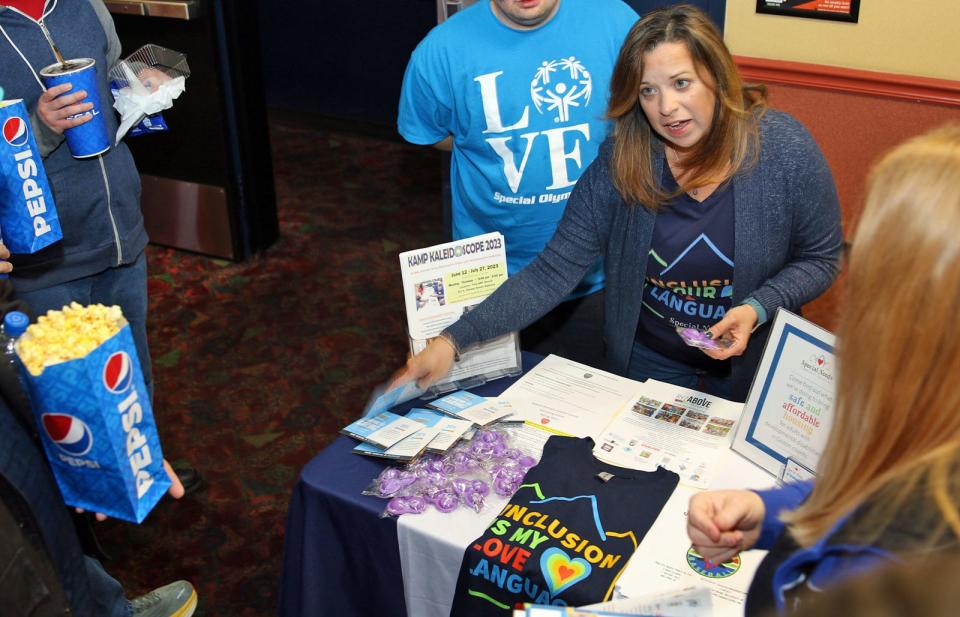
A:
<point x="734" y="135"/>
<point x="896" y="428"/>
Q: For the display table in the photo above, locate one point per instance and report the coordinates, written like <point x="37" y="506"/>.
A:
<point x="340" y="557"/>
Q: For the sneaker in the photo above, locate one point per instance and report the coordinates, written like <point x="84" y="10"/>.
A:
<point x="177" y="599"/>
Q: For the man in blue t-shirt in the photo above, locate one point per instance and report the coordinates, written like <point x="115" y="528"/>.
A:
<point x="517" y="90"/>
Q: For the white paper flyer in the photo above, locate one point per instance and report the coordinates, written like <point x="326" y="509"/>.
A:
<point x="683" y="430"/>
<point x="442" y="282"/>
<point x="570" y="398"/>
<point x="665" y="560"/>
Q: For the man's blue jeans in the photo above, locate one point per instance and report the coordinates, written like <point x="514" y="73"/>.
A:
<point x="645" y="364"/>
<point x="89" y="589"/>
<point x="125" y="286"/>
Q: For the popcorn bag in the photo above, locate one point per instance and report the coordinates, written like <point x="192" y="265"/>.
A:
<point x="28" y="218"/>
<point x="93" y="411"/>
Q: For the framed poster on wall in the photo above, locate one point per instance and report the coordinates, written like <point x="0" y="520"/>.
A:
<point x="836" y="10"/>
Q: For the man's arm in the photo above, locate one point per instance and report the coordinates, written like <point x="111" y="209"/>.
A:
<point x="445" y="144"/>
<point x="113" y="42"/>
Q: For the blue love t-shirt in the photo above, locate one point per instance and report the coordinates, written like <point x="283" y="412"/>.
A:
<point x="689" y="277"/>
<point x="525" y="109"/>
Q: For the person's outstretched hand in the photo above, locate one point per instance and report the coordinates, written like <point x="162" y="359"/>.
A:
<point x="427" y="367"/>
<point x="176" y="489"/>
<point x="723" y="523"/>
<point x="735" y="327"/>
<point x="60" y="112"/>
<point x="5" y="266"/>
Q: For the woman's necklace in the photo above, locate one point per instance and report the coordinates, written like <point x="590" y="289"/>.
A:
<point x="676" y="159"/>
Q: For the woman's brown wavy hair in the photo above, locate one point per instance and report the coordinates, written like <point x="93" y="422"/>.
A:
<point x="733" y="138"/>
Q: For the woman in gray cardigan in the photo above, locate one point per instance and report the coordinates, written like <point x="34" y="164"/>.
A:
<point x="709" y="211"/>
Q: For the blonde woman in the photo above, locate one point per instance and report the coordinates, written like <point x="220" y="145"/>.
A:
<point x="888" y="484"/>
<point x="708" y="210"/>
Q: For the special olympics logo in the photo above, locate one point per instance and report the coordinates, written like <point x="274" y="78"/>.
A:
<point x="559" y="85"/>
<point x="68" y="433"/>
<point x="712" y="570"/>
<point x="118" y="372"/>
<point x="15" y="131"/>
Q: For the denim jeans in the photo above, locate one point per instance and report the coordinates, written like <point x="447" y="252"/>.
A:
<point x="90" y="591"/>
<point x="645" y="364"/>
<point x="125" y="286"/>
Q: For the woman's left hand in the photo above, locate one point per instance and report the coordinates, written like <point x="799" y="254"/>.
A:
<point x="736" y="327"/>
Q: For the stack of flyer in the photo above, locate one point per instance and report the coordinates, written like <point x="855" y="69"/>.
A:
<point x="477" y="410"/>
<point x="385" y="434"/>
<point x="404" y="438"/>
<point x="441" y="283"/>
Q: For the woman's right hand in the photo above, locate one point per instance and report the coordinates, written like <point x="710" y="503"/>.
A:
<point x="428" y="366"/>
<point x="723" y="523"/>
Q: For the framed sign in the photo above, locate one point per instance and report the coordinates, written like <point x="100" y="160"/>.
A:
<point x="836" y="10"/>
<point x="788" y="413"/>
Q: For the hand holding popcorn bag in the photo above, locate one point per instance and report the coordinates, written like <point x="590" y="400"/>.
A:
<point x="93" y="410"/>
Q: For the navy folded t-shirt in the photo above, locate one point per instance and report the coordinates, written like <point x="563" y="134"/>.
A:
<point x="566" y="534"/>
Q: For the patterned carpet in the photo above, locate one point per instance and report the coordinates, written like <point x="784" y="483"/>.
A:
<point x="259" y="364"/>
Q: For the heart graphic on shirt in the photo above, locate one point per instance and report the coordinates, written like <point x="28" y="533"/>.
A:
<point x="544" y="420"/>
<point x="820" y="360"/>
<point x="561" y="571"/>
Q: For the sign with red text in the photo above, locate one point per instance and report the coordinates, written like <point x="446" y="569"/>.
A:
<point x="789" y="410"/>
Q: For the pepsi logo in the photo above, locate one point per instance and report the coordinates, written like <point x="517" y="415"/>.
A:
<point x="70" y="434"/>
<point x="118" y="372"/>
<point x="15" y="131"/>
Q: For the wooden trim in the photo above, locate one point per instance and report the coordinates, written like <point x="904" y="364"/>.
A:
<point x="890" y="85"/>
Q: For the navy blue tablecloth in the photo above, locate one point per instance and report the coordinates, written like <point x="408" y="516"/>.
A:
<point x="339" y="556"/>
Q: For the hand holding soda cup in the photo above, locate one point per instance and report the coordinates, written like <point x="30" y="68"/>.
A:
<point x="79" y="114"/>
<point x="61" y="108"/>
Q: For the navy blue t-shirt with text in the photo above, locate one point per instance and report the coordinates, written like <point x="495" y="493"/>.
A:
<point x="689" y="278"/>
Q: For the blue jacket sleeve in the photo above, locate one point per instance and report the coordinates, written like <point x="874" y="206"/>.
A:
<point x="816" y="236"/>
<point x="548" y="279"/>
<point x="776" y="501"/>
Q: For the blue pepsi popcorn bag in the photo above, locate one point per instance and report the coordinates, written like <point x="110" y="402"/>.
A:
<point x="28" y="218"/>
<point x="93" y="410"/>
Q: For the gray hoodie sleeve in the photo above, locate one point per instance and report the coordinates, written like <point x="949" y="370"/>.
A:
<point x="113" y="42"/>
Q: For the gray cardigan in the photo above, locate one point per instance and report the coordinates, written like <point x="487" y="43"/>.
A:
<point x="788" y="244"/>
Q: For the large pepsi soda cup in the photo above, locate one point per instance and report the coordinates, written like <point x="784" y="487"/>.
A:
<point x="90" y="138"/>
<point x="96" y="422"/>
<point x="28" y="218"/>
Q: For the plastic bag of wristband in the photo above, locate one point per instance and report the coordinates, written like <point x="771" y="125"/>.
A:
<point x="83" y="376"/>
<point x="462" y="477"/>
